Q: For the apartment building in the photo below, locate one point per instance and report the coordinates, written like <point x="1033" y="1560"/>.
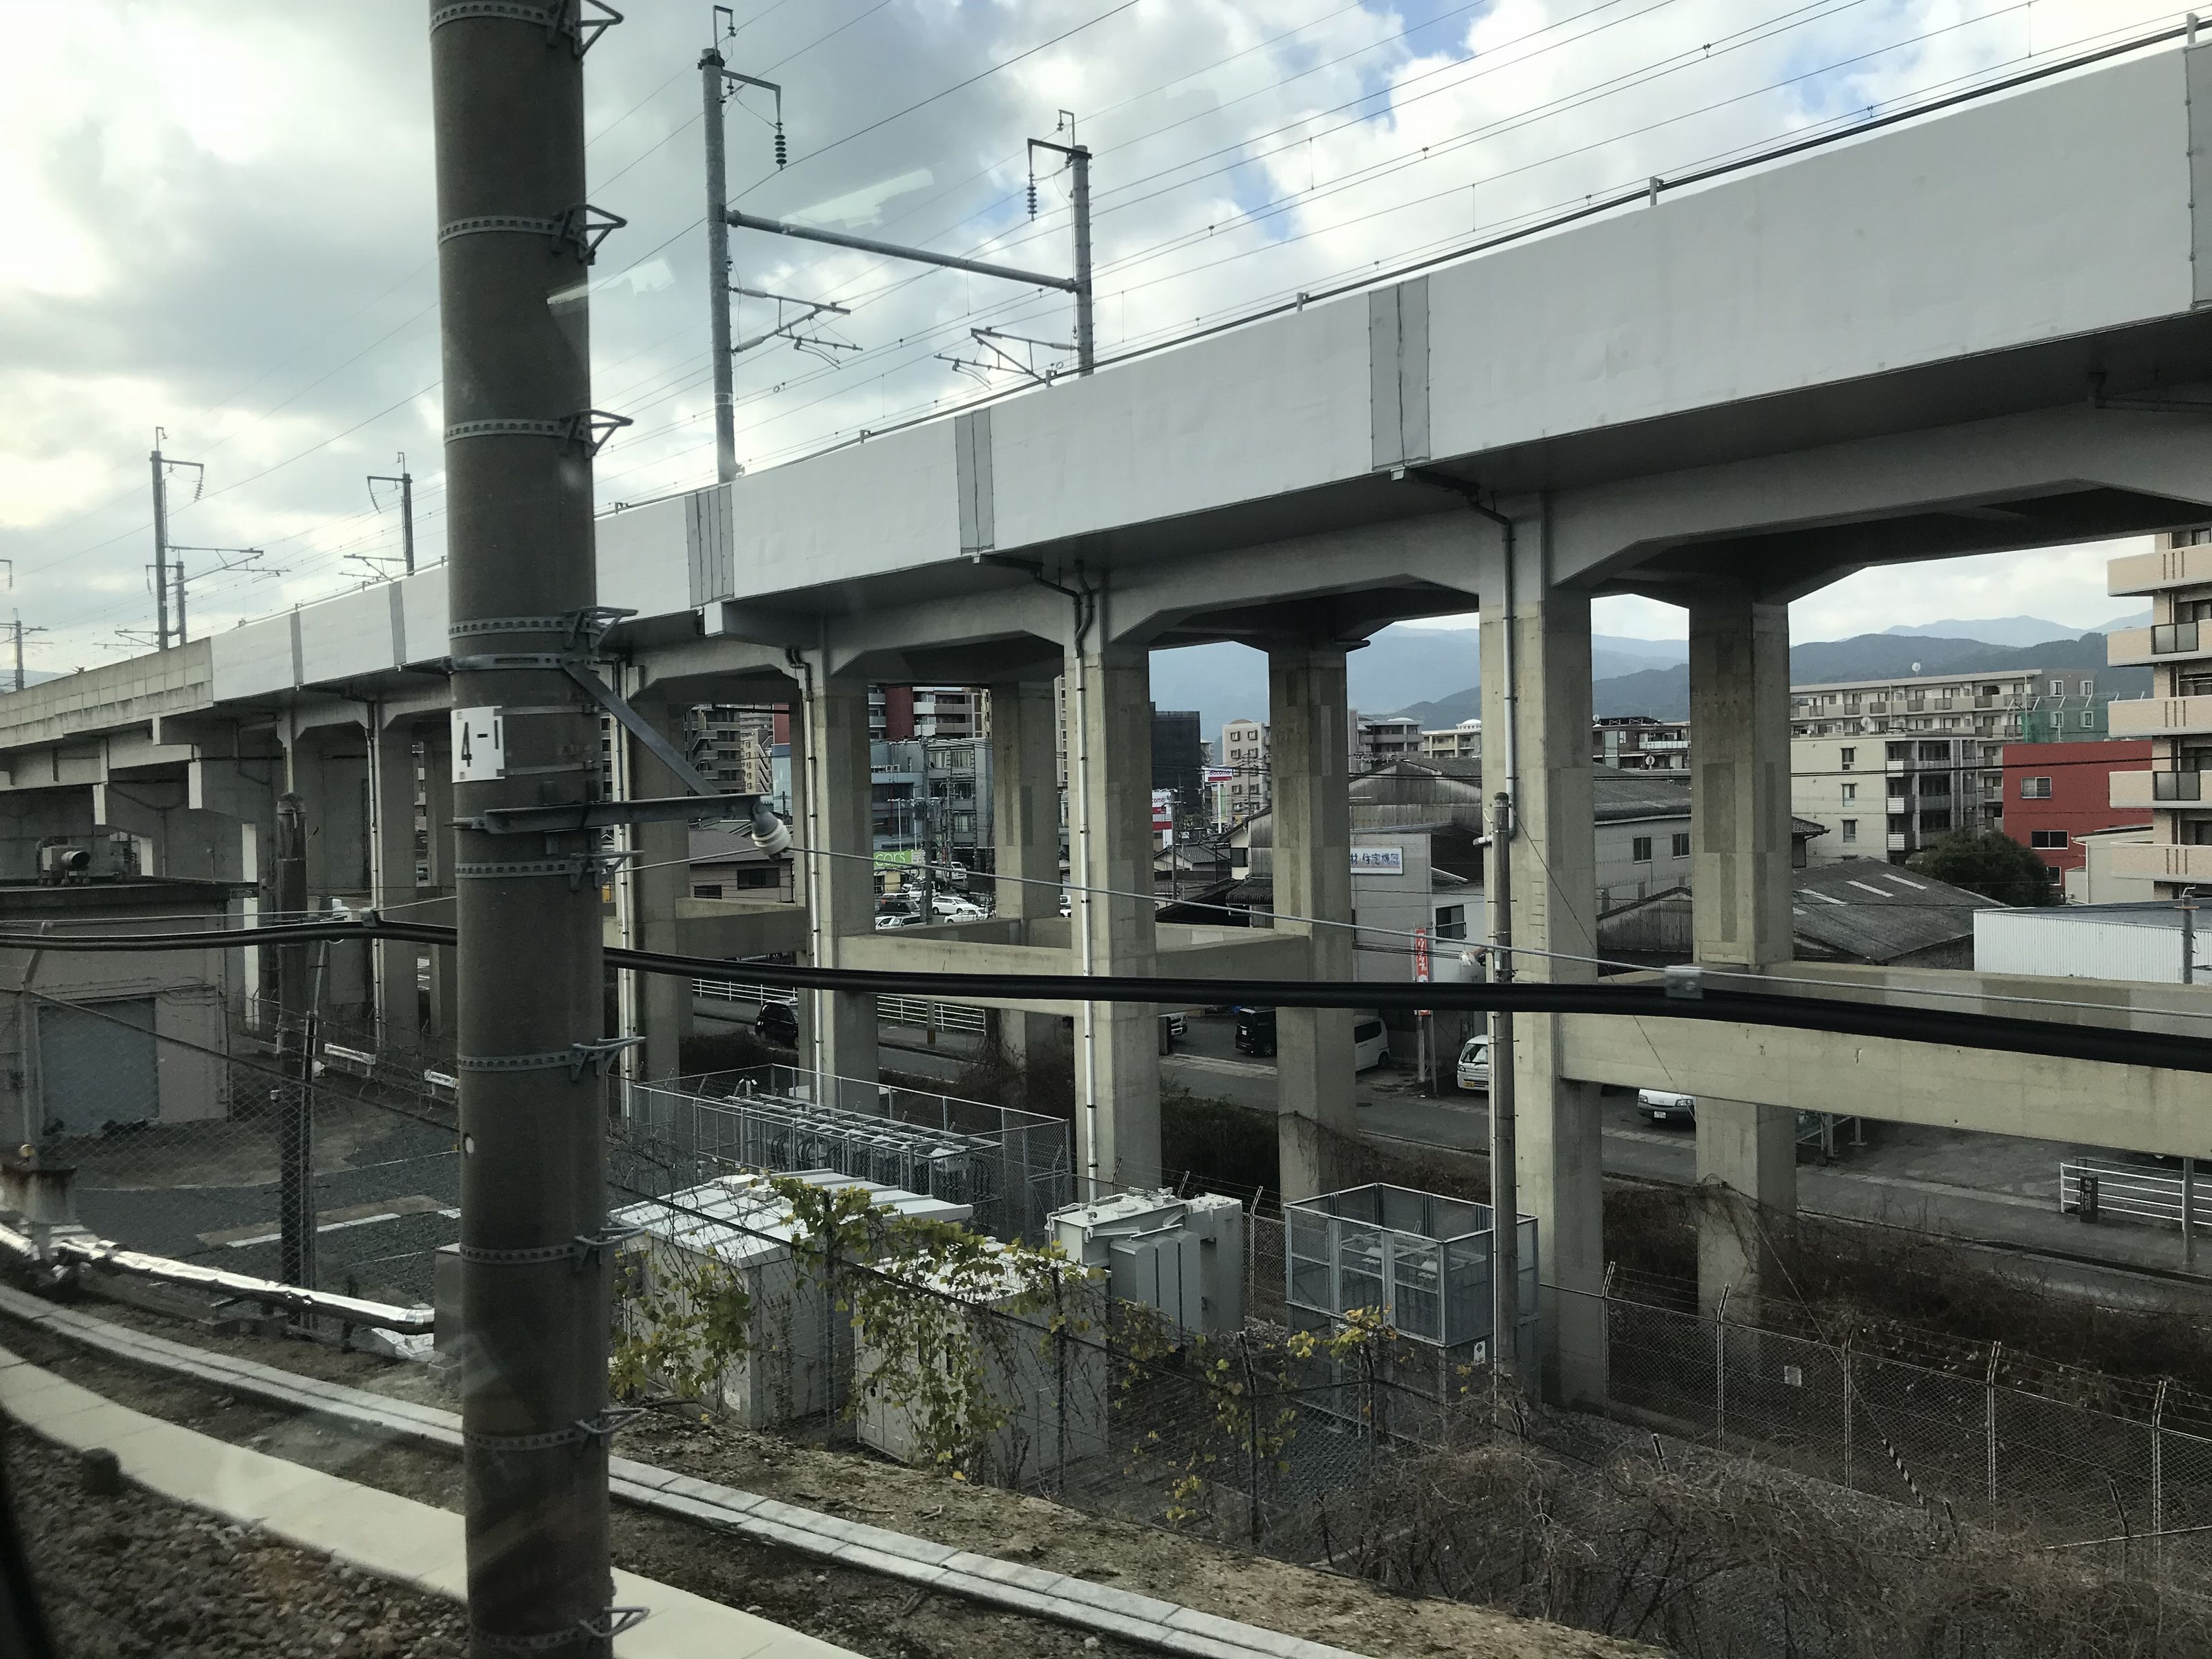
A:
<point x="1883" y="797"/>
<point x="1382" y="741"/>
<point x="1244" y="755"/>
<point x="732" y="745"/>
<point x="2057" y="795"/>
<point x="1638" y="743"/>
<point x="897" y="712"/>
<point x="1461" y="742"/>
<point x="2176" y="576"/>
<point x="1987" y="705"/>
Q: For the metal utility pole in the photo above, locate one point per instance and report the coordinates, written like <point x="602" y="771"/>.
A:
<point x="1077" y="285"/>
<point x="718" y="268"/>
<point x="1504" y="1185"/>
<point x="17" y="626"/>
<point x="296" y="1060"/>
<point x="406" y="480"/>
<point x="515" y="233"/>
<point x="238" y="558"/>
<point x="160" y="548"/>
<point x="162" y="466"/>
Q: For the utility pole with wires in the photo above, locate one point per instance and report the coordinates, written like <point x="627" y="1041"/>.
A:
<point x="234" y="558"/>
<point x="715" y="79"/>
<point x="162" y="466"/>
<point x="1083" y="345"/>
<point x="406" y="480"/>
<point x="516" y="241"/>
<point x="16" y="626"/>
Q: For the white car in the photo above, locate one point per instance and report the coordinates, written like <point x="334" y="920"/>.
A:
<point x="1473" y="1072"/>
<point x="1665" y="1106"/>
<point x="956" y="909"/>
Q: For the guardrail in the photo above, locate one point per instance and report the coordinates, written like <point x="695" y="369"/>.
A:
<point x="918" y="1012"/>
<point x="2094" y="1188"/>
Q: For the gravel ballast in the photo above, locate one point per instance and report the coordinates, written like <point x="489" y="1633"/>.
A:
<point x="135" y="1577"/>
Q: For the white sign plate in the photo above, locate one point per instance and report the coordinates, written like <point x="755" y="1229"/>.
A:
<point x="479" y="745"/>
<point x="1378" y="861"/>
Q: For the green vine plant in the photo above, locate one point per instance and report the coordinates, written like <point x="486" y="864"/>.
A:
<point x="954" y="1328"/>
<point x="1251" y="1393"/>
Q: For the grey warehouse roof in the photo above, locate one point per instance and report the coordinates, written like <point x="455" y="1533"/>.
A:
<point x="1858" y="910"/>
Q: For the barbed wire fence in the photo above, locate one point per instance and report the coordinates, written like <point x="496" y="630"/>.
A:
<point x="1776" y="1487"/>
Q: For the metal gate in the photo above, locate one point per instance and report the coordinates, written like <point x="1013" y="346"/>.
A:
<point x="93" y="1072"/>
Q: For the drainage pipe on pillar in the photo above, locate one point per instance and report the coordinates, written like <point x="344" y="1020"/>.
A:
<point x="1505" y="1174"/>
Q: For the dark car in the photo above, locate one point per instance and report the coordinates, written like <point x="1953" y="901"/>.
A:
<point x="777" y="1023"/>
<point x="1256" y="1030"/>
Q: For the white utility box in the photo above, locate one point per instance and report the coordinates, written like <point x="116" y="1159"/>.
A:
<point x="1015" y="1397"/>
<point x="1184" y="1256"/>
<point x="800" y="1344"/>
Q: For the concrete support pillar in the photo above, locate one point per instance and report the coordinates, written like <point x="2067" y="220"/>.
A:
<point x="438" y="860"/>
<point x="659" y="879"/>
<point x="398" y="962"/>
<point x="1026" y="844"/>
<point x="1739" y="907"/>
<point x="328" y="768"/>
<point x="838" y="827"/>
<point x="1554" y="884"/>
<point x="228" y="821"/>
<point x="142" y="808"/>
<point x="1311" y="781"/>
<point x="1117" y="1045"/>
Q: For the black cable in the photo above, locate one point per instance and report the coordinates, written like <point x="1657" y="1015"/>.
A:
<point x="1999" y="1033"/>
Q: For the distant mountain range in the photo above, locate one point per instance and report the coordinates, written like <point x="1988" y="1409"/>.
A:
<point x="1398" y="672"/>
<point x="1664" y="693"/>
<point x="2011" y="630"/>
<point x="1399" y="666"/>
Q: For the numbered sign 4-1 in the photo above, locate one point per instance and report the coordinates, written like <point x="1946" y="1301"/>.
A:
<point x="479" y="745"/>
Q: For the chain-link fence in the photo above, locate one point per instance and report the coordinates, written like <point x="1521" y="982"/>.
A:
<point x="1754" y="1489"/>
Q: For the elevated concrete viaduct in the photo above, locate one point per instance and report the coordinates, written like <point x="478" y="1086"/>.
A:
<point x="1980" y="332"/>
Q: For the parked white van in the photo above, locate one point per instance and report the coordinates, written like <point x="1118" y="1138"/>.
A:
<point x="1474" y="1063"/>
<point x="1370" y="1043"/>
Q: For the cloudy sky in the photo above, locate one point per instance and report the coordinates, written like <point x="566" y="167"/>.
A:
<point x="219" y="224"/>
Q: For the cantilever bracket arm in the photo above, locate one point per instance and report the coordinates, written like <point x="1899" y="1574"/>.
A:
<point x="641" y="728"/>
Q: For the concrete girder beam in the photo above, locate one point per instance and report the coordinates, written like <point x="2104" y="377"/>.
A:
<point x="2136" y="1109"/>
<point x="1281" y="589"/>
<point x="1913" y="494"/>
<point x="728" y="928"/>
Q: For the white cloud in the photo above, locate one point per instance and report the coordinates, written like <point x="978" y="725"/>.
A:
<point x="221" y="223"/>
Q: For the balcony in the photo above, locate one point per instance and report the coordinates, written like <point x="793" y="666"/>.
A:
<point x="1900" y="841"/>
<point x="2163" y="861"/>
<point x="2149" y="573"/>
<point x="2167" y="642"/>
<point x="2141" y="791"/>
<point x="2162" y="717"/>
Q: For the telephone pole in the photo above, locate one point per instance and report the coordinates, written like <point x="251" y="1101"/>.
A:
<point x="515" y="235"/>
<point x="406" y="480"/>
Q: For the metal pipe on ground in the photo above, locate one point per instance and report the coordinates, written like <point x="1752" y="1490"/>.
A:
<point x="515" y="238"/>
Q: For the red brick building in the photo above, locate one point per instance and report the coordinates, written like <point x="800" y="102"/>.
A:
<point x="2055" y="792"/>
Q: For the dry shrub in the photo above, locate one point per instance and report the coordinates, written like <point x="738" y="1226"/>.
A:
<point x="1724" y="1560"/>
